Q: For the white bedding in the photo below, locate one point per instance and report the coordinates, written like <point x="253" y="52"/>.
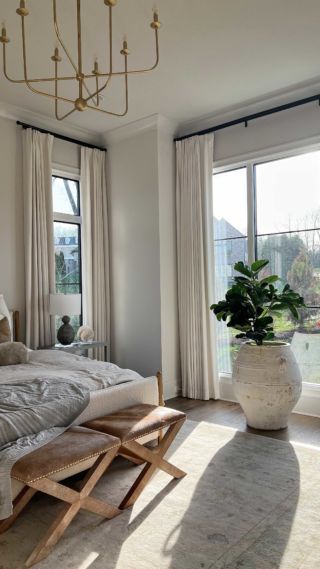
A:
<point x="111" y="388"/>
<point x="58" y="364"/>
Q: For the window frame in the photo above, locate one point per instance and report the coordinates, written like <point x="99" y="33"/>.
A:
<point x="310" y="399"/>
<point x="71" y="219"/>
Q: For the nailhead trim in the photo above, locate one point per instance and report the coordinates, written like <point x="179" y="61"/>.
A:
<point x="67" y="466"/>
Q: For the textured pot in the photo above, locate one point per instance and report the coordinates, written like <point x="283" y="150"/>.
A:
<point x="267" y="383"/>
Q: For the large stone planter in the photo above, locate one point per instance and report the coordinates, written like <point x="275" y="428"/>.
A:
<point x="267" y="384"/>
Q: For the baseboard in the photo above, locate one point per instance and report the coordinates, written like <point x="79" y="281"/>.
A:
<point x="171" y="390"/>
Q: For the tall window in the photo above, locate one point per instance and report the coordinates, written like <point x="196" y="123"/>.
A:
<point x="67" y="239"/>
<point x="273" y="210"/>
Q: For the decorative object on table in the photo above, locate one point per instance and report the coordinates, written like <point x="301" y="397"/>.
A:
<point x="266" y="378"/>
<point x="85" y="334"/>
<point x="62" y="305"/>
<point x="5" y="331"/>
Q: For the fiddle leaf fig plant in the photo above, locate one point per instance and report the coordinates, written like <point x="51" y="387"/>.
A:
<point x="251" y="303"/>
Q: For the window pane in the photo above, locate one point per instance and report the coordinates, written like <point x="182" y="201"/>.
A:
<point x="65" y="196"/>
<point x="67" y="257"/>
<point x="295" y="257"/>
<point x="288" y="194"/>
<point x="230" y="204"/>
<point x="227" y="253"/>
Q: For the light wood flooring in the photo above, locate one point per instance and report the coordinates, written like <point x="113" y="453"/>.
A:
<point x="302" y="428"/>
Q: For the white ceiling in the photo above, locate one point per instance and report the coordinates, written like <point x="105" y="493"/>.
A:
<point x="214" y="54"/>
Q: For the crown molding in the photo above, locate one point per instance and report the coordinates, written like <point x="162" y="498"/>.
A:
<point x="131" y="129"/>
<point x="295" y="92"/>
<point x="152" y="122"/>
<point x="15" y="113"/>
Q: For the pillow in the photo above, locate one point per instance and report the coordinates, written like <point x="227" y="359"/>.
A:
<point x="12" y="353"/>
<point x="5" y="332"/>
<point x="5" y="311"/>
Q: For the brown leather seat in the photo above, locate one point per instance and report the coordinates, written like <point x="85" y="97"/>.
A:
<point x="133" y="423"/>
<point x="136" y="421"/>
<point x="75" y="445"/>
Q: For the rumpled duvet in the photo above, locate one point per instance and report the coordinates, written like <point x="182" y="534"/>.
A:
<point x="40" y="400"/>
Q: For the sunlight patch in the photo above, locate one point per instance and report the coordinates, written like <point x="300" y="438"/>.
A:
<point x="89" y="560"/>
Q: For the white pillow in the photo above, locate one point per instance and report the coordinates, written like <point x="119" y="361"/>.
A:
<point x="4" y="311"/>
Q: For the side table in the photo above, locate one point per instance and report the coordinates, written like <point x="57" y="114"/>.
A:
<point x="81" y="347"/>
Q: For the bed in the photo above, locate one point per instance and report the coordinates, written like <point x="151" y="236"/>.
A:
<point x="125" y="387"/>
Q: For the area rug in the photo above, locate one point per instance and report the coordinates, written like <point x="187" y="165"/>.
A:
<point x="248" y="502"/>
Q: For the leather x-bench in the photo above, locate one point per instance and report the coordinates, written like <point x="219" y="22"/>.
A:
<point x="134" y="423"/>
<point x="38" y="468"/>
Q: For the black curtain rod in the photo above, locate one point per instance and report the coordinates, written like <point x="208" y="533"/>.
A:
<point x="62" y="137"/>
<point x="244" y="120"/>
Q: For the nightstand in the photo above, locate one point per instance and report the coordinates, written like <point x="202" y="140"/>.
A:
<point x="82" y="348"/>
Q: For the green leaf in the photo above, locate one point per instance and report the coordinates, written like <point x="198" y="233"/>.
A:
<point x="293" y="311"/>
<point x="243" y="269"/>
<point x="258" y="265"/>
<point x="271" y="279"/>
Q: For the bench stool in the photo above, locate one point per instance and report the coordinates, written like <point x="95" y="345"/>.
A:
<point x="133" y="423"/>
<point x="74" y="446"/>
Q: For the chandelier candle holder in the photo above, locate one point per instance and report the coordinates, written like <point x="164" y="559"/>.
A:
<point x="85" y="98"/>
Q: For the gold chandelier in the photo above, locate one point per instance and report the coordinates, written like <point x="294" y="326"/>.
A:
<point x="86" y="98"/>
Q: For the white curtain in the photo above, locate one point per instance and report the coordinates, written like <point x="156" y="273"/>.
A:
<point x="95" y="245"/>
<point x="195" y="266"/>
<point x="38" y="233"/>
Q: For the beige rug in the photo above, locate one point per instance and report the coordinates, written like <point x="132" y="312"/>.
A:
<point x="248" y="502"/>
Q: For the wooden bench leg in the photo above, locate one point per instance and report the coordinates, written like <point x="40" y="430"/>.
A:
<point x="52" y="536"/>
<point x="19" y="504"/>
<point x="75" y="501"/>
<point x="154" y="459"/>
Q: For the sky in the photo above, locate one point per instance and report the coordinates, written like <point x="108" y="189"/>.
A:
<point x="287" y="192"/>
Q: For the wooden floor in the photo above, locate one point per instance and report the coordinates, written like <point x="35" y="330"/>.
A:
<point x="302" y="429"/>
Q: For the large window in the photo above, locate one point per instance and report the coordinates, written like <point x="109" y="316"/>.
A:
<point x="67" y="239"/>
<point x="270" y="210"/>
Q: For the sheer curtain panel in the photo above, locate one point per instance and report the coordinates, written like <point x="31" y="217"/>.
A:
<point x="95" y="259"/>
<point x="38" y="233"/>
<point x="195" y="266"/>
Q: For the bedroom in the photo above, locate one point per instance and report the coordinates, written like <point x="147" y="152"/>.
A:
<point x="219" y="61"/>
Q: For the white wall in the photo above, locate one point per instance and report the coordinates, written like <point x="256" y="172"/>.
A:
<point x="135" y="253"/>
<point x="293" y="127"/>
<point x="66" y="155"/>
<point x="11" y="217"/>
<point x="144" y="315"/>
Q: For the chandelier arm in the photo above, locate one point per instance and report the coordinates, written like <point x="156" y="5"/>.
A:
<point x="96" y="94"/>
<point x="36" y="80"/>
<point x="79" y="46"/>
<point x="132" y="71"/>
<point x="65" y="49"/>
<point x="100" y="89"/>
<point x="57" y="97"/>
<point x="24" y="53"/>
<point x="64" y="116"/>
<point x="127" y="95"/>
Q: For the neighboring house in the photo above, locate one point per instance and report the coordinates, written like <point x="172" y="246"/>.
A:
<point x="69" y="246"/>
